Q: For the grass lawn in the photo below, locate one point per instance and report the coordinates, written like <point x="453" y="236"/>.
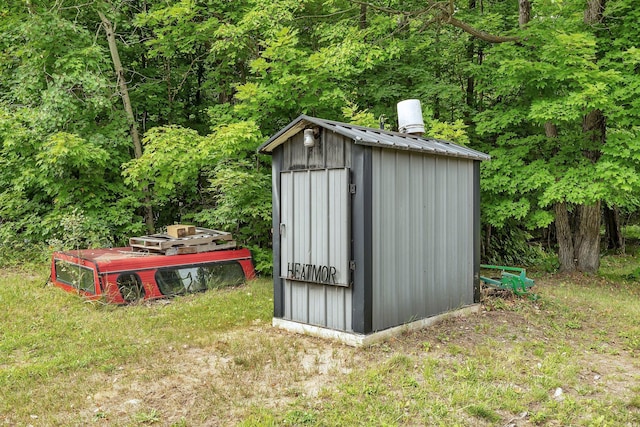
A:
<point x="569" y="358"/>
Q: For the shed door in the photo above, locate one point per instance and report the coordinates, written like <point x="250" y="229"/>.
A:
<point x="314" y="226"/>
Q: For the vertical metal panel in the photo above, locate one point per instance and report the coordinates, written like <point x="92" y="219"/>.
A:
<point x="382" y="186"/>
<point x="347" y="302"/>
<point x="338" y="307"/>
<point x="286" y="209"/>
<point x="300" y="226"/>
<point x="296" y="301"/>
<point x="335" y="152"/>
<point x="287" y="299"/>
<point x="278" y="285"/>
<point x="467" y="217"/>
<point x="337" y="222"/>
<point x="315" y="230"/>
<point x="322" y="305"/>
<point x="296" y="153"/>
<point x="428" y="194"/>
<point x="317" y="302"/>
<point x="361" y="226"/>
<point x="316" y="155"/>
<point x="448" y="221"/>
<point x="404" y="263"/>
<point x="318" y="199"/>
<point x="422" y="213"/>
<point x="378" y="235"/>
<point x="315" y="220"/>
<point x="417" y="207"/>
<point x="476" y="230"/>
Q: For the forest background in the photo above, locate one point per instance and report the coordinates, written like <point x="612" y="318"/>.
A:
<point x="120" y="117"/>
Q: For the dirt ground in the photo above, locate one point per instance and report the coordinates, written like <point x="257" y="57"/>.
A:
<point x="222" y="382"/>
<point x="263" y="367"/>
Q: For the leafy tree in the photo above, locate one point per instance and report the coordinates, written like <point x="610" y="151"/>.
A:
<point x="549" y="89"/>
<point x="62" y="139"/>
<point x="561" y="93"/>
<point x="216" y="180"/>
<point x="538" y="95"/>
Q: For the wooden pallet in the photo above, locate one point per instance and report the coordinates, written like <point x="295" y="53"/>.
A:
<point x="178" y="250"/>
<point x="204" y="240"/>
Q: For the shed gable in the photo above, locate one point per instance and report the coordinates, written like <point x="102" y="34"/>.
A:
<point x="331" y="150"/>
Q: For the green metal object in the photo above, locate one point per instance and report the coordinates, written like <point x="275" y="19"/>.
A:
<point x="518" y="284"/>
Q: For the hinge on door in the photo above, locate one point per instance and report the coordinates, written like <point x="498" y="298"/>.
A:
<point x="352" y="265"/>
<point x="352" y="188"/>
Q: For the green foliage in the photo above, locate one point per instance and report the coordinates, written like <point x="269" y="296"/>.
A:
<point x="359" y="117"/>
<point x="170" y="164"/>
<point x="177" y="164"/>
<point x="510" y="246"/>
<point x="210" y="81"/>
<point x="262" y="260"/>
<point x="561" y="71"/>
<point x="234" y="141"/>
<point x="62" y="141"/>
<point x="242" y="202"/>
<point x="455" y="132"/>
<point x="79" y="231"/>
<point x="557" y="84"/>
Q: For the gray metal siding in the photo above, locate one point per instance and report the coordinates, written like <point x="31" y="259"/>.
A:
<point x="314" y="229"/>
<point x="422" y="236"/>
<point x="476" y="232"/>
<point x="321" y="305"/>
<point x="332" y="150"/>
<point x="278" y="285"/>
<point x="361" y="239"/>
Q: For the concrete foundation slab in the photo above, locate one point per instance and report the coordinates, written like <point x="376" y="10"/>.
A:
<point x="359" y="340"/>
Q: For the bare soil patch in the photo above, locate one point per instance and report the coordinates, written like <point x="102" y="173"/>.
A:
<point x="262" y="367"/>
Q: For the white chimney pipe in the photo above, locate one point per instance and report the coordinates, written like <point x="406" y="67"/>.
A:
<point x="410" y="117"/>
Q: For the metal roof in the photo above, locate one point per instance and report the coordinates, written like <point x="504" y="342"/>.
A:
<point x="374" y="137"/>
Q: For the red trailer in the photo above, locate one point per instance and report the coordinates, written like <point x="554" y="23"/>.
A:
<point x="124" y="275"/>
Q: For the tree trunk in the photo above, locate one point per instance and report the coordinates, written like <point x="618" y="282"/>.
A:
<point x="124" y="93"/>
<point x="612" y="228"/>
<point x="363" y="16"/>
<point x="578" y="249"/>
<point x="487" y="239"/>
<point x="594" y="11"/>
<point x="122" y="84"/>
<point x="587" y="240"/>
<point x="565" y="239"/>
<point x="594" y="125"/>
<point x="550" y="130"/>
<point x="564" y="233"/>
<point x="524" y="13"/>
<point x="470" y="94"/>
<point x="587" y="234"/>
<point x="471" y="88"/>
<point x="437" y="74"/>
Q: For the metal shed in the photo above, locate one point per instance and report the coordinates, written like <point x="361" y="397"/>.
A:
<point x="372" y="229"/>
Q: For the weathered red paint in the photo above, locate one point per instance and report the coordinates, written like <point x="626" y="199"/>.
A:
<point x="108" y="264"/>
